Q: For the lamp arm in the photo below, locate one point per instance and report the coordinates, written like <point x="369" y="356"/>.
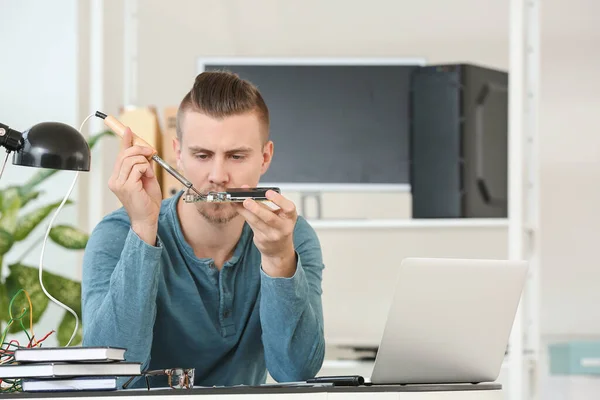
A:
<point x="11" y="139"/>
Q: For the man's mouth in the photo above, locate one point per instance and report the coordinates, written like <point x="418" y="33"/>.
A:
<point x="215" y="190"/>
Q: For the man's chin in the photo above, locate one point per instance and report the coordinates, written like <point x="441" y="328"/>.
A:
<point x="221" y="215"/>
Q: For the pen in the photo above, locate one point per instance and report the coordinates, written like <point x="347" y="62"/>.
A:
<point x="293" y="385"/>
<point x="344" y="380"/>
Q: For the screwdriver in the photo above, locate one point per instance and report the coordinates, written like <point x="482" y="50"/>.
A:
<point x="119" y="129"/>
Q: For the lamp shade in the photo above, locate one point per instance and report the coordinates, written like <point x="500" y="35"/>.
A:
<point x="53" y="145"/>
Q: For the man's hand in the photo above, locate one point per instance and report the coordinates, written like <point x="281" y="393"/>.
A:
<point x="134" y="183"/>
<point x="273" y="233"/>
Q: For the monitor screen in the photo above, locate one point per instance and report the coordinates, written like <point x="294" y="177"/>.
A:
<point x="333" y="124"/>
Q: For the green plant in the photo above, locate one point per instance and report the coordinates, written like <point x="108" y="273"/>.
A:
<point x="17" y="225"/>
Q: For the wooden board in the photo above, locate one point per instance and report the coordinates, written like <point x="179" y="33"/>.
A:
<point x="170" y="185"/>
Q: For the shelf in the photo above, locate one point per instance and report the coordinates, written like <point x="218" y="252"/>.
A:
<point x="409" y="223"/>
<point x="321" y="188"/>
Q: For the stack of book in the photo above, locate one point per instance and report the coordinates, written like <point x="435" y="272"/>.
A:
<point x="69" y="368"/>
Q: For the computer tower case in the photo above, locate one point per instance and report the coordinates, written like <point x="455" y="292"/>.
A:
<point x="459" y="142"/>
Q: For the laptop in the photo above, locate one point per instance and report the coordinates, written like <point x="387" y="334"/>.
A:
<point x="449" y="321"/>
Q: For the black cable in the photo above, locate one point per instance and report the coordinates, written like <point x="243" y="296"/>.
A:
<point x="4" y="163"/>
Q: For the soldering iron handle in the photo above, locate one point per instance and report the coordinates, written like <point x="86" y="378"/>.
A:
<point x="119" y="129"/>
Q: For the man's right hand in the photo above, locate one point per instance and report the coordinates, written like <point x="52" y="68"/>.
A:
<point x="134" y="183"/>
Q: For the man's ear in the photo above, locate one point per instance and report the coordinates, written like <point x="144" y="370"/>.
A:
<point x="267" y="156"/>
<point x="177" y="151"/>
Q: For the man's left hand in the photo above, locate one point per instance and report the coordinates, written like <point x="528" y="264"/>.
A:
<point x="273" y="233"/>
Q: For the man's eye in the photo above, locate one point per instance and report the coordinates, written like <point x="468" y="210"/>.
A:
<point x="237" y="157"/>
<point x="202" y="156"/>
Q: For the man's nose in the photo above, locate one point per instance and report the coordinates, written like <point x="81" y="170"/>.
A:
<point x="218" y="174"/>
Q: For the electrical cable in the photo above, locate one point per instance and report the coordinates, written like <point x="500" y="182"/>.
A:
<point x="4" y="163"/>
<point x="67" y="308"/>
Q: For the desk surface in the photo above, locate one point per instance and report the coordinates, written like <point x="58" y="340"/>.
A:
<point x="404" y="392"/>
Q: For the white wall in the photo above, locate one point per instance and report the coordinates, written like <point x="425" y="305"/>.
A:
<point x="570" y="160"/>
<point x="38" y="82"/>
<point x="172" y="38"/>
<point x="100" y="62"/>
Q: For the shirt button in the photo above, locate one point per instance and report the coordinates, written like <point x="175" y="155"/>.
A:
<point x="227" y="314"/>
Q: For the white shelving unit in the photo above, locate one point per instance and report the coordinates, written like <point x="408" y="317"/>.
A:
<point x="523" y="220"/>
<point x="340" y="187"/>
<point x="523" y="229"/>
<point x="408" y="223"/>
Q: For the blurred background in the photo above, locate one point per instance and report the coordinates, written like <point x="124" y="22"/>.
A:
<point x="64" y="59"/>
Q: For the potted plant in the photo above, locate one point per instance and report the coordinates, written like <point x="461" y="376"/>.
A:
<point x="17" y="225"/>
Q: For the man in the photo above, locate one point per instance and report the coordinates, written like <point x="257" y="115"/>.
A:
<point x="232" y="290"/>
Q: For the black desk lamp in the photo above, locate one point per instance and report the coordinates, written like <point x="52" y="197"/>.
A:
<point x="52" y="145"/>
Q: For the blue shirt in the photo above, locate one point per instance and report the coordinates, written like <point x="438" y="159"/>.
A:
<point x="171" y="309"/>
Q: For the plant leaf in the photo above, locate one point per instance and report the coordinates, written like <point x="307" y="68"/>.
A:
<point x="26" y="278"/>
<point x="63" y="289"/>
<point x="29" y="196"/>
<point x="3" y="301"/>
<point x="29" y="221"/>
<point x="2" y="194"/>
<point x="65" y="330"/>
<point x="94" y="139"/>
<point x="69" y="237"/>
<point x="35" y="180"/>
<point x="11" y="204"/>
<point x="10" y="196"/>
<point x="6" y="242"/>
<point x="8" y="192"/>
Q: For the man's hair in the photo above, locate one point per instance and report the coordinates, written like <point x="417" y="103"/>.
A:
<point x="220" y="94"/>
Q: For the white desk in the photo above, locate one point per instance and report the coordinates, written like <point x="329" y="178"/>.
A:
<point x="412" y="392"/>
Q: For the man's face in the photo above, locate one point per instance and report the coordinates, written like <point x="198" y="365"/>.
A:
<point x="216" y="154"/>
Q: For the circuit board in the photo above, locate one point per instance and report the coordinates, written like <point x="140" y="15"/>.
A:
<point x="231" y="195"/>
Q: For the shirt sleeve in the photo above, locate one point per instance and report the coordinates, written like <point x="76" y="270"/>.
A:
<point x="119" y="289"/>
<point x="291" y="313"/>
